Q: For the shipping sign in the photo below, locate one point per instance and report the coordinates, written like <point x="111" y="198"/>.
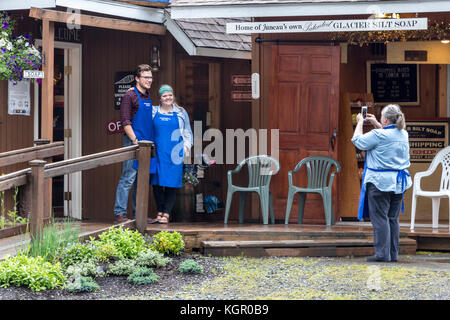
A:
<point x="426" y="139"/>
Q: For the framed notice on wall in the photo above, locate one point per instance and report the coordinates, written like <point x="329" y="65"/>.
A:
<point x="426" y="139"/>
<point x="393" y="83"/>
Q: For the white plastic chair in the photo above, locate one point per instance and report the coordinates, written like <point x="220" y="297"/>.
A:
<point x="442" y="158"/>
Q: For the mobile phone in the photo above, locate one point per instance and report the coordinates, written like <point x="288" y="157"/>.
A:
<point x="364" y="111"/>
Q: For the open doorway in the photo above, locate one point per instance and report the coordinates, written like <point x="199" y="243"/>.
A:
<point x="67" y="190"/>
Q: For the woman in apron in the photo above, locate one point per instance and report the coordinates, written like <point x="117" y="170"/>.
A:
<point x="385" y="178"/>
<point x="173" y="139"/>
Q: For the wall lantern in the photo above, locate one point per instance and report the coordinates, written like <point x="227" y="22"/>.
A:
<point x="154" y="60"/>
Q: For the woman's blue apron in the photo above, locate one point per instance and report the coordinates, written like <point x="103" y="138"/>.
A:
<point x="363" y="209"/>
<point x="143" y="126"/>
<point x="168" y="173"/>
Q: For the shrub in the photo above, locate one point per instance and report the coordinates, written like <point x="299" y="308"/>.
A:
<point x="76" y="253"/>
<point x="32" y="272"/>
<point x="143" y="276"/>
<point x="151" y="258"/>
<point x="85" y="269"/>
<point x="191" y="266"/>
<point x="81" y="284"/>
<point x="122" y="267"/>
<point x="127" y="243"/>
<point x="106" y="251"/>
<point x="168" y="243"/>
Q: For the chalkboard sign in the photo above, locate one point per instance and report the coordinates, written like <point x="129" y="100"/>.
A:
<point x="393" y="83"/>
<point x="122" y="82"/>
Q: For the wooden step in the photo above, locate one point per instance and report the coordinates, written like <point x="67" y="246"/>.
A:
<point x="300" y="248"/>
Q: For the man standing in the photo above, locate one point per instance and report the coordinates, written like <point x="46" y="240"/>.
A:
<point x="136" y="119"/>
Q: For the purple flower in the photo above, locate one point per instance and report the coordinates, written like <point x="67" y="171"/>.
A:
<point x="27" y="36"/>
<point x="5" y="25"/>
<point x="3" y="50"/>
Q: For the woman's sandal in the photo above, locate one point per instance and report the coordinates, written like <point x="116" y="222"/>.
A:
<point x="164" y="219"/>
<point x="158" y="218"/>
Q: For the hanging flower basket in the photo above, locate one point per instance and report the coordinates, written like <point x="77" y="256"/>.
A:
<point x="17" y="52"/>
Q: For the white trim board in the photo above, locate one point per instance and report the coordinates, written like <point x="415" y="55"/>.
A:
<point x="114" y="8"/>
<point x="308" y="9"/>
<point x="26" y="4"/>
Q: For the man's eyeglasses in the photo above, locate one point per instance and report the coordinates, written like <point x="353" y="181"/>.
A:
<point x="147" y="78"/>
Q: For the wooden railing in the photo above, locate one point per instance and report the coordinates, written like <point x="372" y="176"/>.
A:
<point x="40" y="170"/>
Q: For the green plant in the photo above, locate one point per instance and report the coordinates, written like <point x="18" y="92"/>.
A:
<point x="168" y="242"/>
<point x="52" y="239"/>
<point x="75" y="253"/>
<point x="85" y="269"/>
<point x="81" y="284"/>
<point x="122" y="267"/>
<point x="191" y="266"/>
<point x="143" y="276"/>
<point x="32" y="272"/>
<point x="128" y="243"/>
<point x="106" y="251"/>
<point x="151" y="258"/>
<point x="17" y="53"/>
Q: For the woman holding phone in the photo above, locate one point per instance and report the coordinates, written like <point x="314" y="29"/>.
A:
<point x="385" y="178"/>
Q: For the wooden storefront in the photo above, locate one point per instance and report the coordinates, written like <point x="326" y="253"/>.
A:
<point x="202" y="84"/>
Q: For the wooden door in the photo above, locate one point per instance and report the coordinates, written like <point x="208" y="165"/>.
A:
<point x="304" y="106"/>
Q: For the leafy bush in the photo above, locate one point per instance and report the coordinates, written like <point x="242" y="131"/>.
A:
<point x="85" y="269"/>
<point x="191" y="266"/>
<point x="106" y="251"/>
<point x="151" y="258"/>
<point x="81" y="284"/>
<point x="128" y="243"/>
<point x="168" y="242"/>
<point x="76" y="252"/>
<point x="32" y="272"/>
<point x="123" y="267"/>
<point x="143" y="276"/>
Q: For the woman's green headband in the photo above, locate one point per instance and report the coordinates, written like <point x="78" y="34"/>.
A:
<point x="164" y="89"/>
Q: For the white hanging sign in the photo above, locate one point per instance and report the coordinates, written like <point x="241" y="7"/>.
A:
<point x="329" y="25"/>
<point x="19" y="102"/>
<point x="33" y="74"/>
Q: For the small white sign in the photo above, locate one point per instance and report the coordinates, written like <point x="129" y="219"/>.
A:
<point x="255" y="85"/>
<point x="19" y="98"/>
<point x="329" y="25"/>
<point x="33" y="74"/>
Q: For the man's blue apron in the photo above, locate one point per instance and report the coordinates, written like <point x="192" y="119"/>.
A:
<point x="363" y="209"/>
<point x="168" y="173"/>
<point x="143" y="126"/>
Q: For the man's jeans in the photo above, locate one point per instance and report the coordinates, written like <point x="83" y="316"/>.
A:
<point x="126" y="181"/>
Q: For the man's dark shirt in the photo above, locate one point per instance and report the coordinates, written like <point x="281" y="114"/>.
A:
<point x="129" y="106"/>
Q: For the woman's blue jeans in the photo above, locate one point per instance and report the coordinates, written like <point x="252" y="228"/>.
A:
<point x="126" y="181"/>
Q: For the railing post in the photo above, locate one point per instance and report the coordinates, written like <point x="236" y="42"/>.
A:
<point x="143" y="157"/>
<point x="48" y="190"/>
<point x="37" y="197"/>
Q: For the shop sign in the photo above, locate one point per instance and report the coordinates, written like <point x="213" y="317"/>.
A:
<point x="329" y="25"/>
<point x="114" y="127"/>
<point x="122" y="82"/>
<point x="241" y="81"/>
<point x="426" y="139"/>
<point x="241" y="96"/>
<point x="19" y="102"/>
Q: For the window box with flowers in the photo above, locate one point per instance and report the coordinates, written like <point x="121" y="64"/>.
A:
<point x="17" y="52"/>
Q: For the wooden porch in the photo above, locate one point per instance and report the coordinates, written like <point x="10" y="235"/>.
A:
<point x="341" y="239"/>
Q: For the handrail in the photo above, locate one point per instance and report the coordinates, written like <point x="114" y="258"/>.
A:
<point x="27" y="154"/>
<point x="35" y="176"/>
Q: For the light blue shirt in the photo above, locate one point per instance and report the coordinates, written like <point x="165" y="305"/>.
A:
<point x="386" y="149"/>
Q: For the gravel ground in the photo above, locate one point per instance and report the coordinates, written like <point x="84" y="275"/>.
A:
<point x="420" y="277"/>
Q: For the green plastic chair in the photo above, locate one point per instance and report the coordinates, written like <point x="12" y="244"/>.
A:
<point x="260" y="171"/>
<point x="318" y="169"/>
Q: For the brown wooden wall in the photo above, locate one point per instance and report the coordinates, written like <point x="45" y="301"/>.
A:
<point x="105" y="52"/>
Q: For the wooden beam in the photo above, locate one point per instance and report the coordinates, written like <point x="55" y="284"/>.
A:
<point x="442" y="90"/>
<point x="98" y="22"/>
<point x="48" y="51"/>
